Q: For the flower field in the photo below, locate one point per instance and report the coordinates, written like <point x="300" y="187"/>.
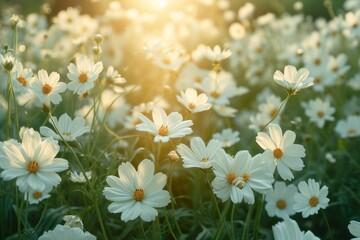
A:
<point x="169" y="119"/>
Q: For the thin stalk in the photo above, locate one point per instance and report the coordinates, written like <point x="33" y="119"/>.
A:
<point x="8" y="114"/>
<point x="142" y="228"/>
<point x="42" y="214"/>
<point x="232" y="221"/>
<point x="327" y="224"/>
<point x="258" y="216"/>
<point x="26" y="211"/>
<point x="329" y="7"/>
<point x="100" y="220"/>
<point x="222" y="223"/>
<point x="168" y="223"/>
<point x="14" y="99"/>
<point x="277" y="112"/>
<point x="245" y="234"/>
<point x="18" y="212"/>
<point x="172" y="198"/>
<point x="157" y="156"/>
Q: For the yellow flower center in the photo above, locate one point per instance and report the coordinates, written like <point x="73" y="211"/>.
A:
<point x="192" y="106"/>
<point x="351" y="132"/>
<point x="163" y="130"/>
<point x="320" y="114"/>
<point x="277" y="153"/>
<point x="230" y="178"/>
<point x="281" y="204"/>
<point x="37" y="195"/>
<point x="83" y="77"/>
<point x="317" y="80"/>
<point x="214" y="94"/>
<point x="32" y="166"/>
<point x="139" y="194"/>
<point x="22" y="81"/>
<point x="246" y="177"/>
<point x="166" y="61"/>
<point x="46" y="89"/>
<point x="273" y="112"/>
<point x="313" y="201"/>
<point x="204" y="160"/>
<point x="317" y="61"/>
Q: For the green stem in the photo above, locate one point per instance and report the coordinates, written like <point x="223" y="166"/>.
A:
<point x="8" y="114"/>
<point x="142" y="228"/>
<point x="168" y="223"/>
<point x="15" y="103"/>
<point x="258" y="216"/>
<point x="277" y="112"/>
<point x="157" y="156"/>
<point x="172" y="198"/>
<point x="327" y="224"/>
<point x="232" y="221"/>
<point x="18" y="212"/>
<point x="26" y="211"/>
<point x="329" y="6"/>
<point x="247" y="223"/>
<point x="100" y="220"/>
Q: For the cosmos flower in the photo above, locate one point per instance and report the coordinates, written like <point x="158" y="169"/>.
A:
<point x="354" y="229"/>
<point x="79" y="177"/>
<point x="22" y="77"/>
<point x="137" y="193"/>
<point x="69" y="129"/>
<point x="32" y="162"/>
<point x="83" y="74"/>
<point x="349" y="127"/>
<point x="281" y="150"/>
<point x="199" y="155"/>
<point x="7" y="61"/>
<point x="73" y="221"/>
<point x="164" y="126"/>
<point x="289" y="229"/>
<point x="227" y="137"/>
<point x="236" y="178"/>
<point x="310" y="198"/>
<point x="216" y="54"/>
<point x="292" y="79"/>
<point x="194" y="102"/>
<point x="319" y="111"/>
<point x="280" y="201"/>
<point x="35" y="196"/>
<point x="48" y="88"/>
<point x="61" y="232"/>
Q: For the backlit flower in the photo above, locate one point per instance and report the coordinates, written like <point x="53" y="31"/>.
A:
<point x="289" y="229"/>
<point x="310" y="198"/>
<point x="354" y="229"/>
<point x="199" y="155"/>
<point x="281" y="150"/>
<point x="83" y="74"/>
<point x="137" y="193"/>
<point x="227" y="137"/>
<point x="237" y="177"/>
<point x="194" y="102"/>
<point x="349" y="127"/>
<point x="62" y="232"/>
<point x="79" y="177"/>
<point x="68" y="128"/>
<point x="216" y="54"/>
<point x="164" y="126"/>
<point x="36" y="196"/>
<point x="73" y="221"/>
<point x="33" y="162"/>
<point x="48" y="88"/>
<point x="293" y="80"/>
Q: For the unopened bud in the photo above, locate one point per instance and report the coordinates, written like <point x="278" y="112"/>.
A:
<point x="14" y="21"/>
<point x="98" y="38"/>
<point x="173" y="156"/>
<point x="97" y="50"/>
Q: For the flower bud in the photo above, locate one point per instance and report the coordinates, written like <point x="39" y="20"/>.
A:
<point x="14" y="21"/>
<point x="98" y="38"/>
<point x="173" y="156"/>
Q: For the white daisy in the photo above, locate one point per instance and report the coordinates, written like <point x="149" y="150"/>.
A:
<point x="216" y="55"/>
<point x="48" y="88"/>
<point x="33" y="162"/>
<point x="281" y="150"/>
<point x="73" y="221"/>
<point x="319" y="111"/>
<point x="227" y="137"/>
<point x="137" y="193"/>
<point x="237" y="177"/>
<point x="194" y="102"/>
<point x="23" y="77"/>
<point x="7" y="61"/>
<point x="280" y="201"/>
<point x="114" y="77"/>
<point x="350" y="127"/>
<point x="83" y="74"/>
<point x="79" y="177"/>
<point x="165" y="126"/>
<point x="36" y="196"/>
<point x="311" y="198"/>
<point x="62" y="232"/>
<point x="354" y="229"/>
<point x="289" y="229"/>
<point x="199" y="155"/>
<point x="68" y="128"/>
<point x="292" y="79"/>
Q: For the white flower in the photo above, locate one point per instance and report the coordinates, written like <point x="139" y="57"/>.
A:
<point x="280" y="201"/>
<point x="79" y="177"/>
<point x="62" y="232"/>
<point x="35" y="196"/>
<point x="165" y="126"/>
<point x="193" y="102"/>
<point x="83" y="74"/>
<point x="311" y="198"/>
<point x="292" y="79"/>
<point x="7" y="61"/>
<point x="281" y="150"/>
<point x="289" y="229"/>
<point x="319" y="111"/>
<point x="23" y="77"/>
<point x="354" y="229"/>
<point x="227" y="137"/>
<point x="349" y="127"/>
<point x="48" y="88"/>
<point x="237" y="177"/>
<point x="137" y="193"/>
<point x="73" y="221"/>
<point x="33" y="162"/>
<point x="69" y="129"/>
<point x="216" y="54"/>
<point x="113" y="76"/>
<point x="330" y="158"/>
<point x="199" y="156"/>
